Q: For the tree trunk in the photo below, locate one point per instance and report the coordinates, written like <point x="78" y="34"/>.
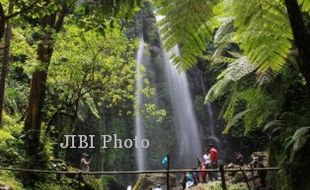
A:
<point x="38" y="82"/>
<point x="6" y="60"/>
<point x="2" y="21"/>
<point x="38" y="87"/>
<point x="37" y="94"/>
<point x="301" y="38"/>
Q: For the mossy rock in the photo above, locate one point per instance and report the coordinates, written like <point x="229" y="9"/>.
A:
<point x="8" y="179"/>
<point x="239" y="177"/>
<point x="218" y="186"/>
<point x="148" y="181"/>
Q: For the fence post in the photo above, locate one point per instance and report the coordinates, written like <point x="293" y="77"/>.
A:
<point x="223" y="177"/>
<point x="168" y="168"/>
<point x="80" y="180"/>
<point x="253" y="177"/>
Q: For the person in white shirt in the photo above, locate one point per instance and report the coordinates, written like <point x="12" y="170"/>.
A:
<point x="85" y="162"/>
<point x="207" y="161"/>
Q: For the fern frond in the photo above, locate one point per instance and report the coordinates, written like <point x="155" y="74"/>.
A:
<point x="299" y="139"/>
<point x="232" y="122"/>
<point x="234" y="72"/>
<point x="217" y="90"/>
<point x="237" y="69"/>
<point x="223" y="36"/>
<point x="263" y="32"/>
<point x="272" y="124"/>
<point x="188" y="24"/>
<point x="264" y="78"/>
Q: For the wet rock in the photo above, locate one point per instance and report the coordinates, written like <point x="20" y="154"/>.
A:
<point x="149" y="181"/>
<point x="238" y="177"/>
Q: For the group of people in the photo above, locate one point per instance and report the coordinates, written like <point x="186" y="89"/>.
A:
<point x="209" y="160"/>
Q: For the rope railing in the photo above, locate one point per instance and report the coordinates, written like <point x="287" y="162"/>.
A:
<point x="137" y="172"/>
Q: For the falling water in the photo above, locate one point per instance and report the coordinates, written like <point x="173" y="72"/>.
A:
<point x="211" y="138"/>
<point x="186" y="128"/>
<point x="189" y="144"/>
<point x="139" y="128"/>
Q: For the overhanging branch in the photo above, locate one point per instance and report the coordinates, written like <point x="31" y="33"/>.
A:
<point x="23" y="10"/>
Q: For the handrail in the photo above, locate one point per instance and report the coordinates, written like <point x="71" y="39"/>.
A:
<point x="135" y="172"/>
<point x="167" y="171"/>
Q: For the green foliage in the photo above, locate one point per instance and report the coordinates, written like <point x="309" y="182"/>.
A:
<point x="51" y="186"/>
<point x="298" y="141"/>
<point x="16" y="98"/>
<point x="235" y="71"/>
<point x="23" y="49"/>
<point x="91" y="68"/>
<point x="9" y="179"/>
<point x="263" y="32"/>
<point x="187" y="24"/>
<point x="260" y="27"/>
<point x="218" y="186"/>
<point x="110" y="182"/>
<point x="305" y="5"/>
<point x="10" y="144"/>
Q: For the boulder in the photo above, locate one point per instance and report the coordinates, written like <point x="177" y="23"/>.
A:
<point x="149" y="181"/>
<point x="238" y="177"/>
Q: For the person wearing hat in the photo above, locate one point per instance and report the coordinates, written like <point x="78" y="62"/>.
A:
<point x="85" y="162"/>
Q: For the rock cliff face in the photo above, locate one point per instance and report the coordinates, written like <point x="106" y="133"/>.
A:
<point x="149" y="181"/>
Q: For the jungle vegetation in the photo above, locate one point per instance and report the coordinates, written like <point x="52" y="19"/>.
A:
<point x="67" y="66"/>
<point x="260" y="50"/>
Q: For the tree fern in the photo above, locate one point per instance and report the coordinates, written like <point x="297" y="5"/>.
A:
<point x="299" y="139"/>
<point x="263" y="32"/>
<point x="256" y="112"/>
<point x="239" y="68"/>
<point x="188" y="24"/>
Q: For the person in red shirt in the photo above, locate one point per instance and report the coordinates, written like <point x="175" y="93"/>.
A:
<point x="213" y="154"/>
<point x="214" y="157"/>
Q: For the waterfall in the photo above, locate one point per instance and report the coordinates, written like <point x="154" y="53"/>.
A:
<point x="211" y="138"/>
<point x="139" y="124"/>
<point x="189" y="145"/>
<point x="189" y="141"/>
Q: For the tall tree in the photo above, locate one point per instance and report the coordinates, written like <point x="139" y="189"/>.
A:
<point x="24" y="8"/>
<point x="5" y="29"/>
<point x="50" y="23"/>
<point x="301" y="37"/>
<point x="6" y="59"/>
